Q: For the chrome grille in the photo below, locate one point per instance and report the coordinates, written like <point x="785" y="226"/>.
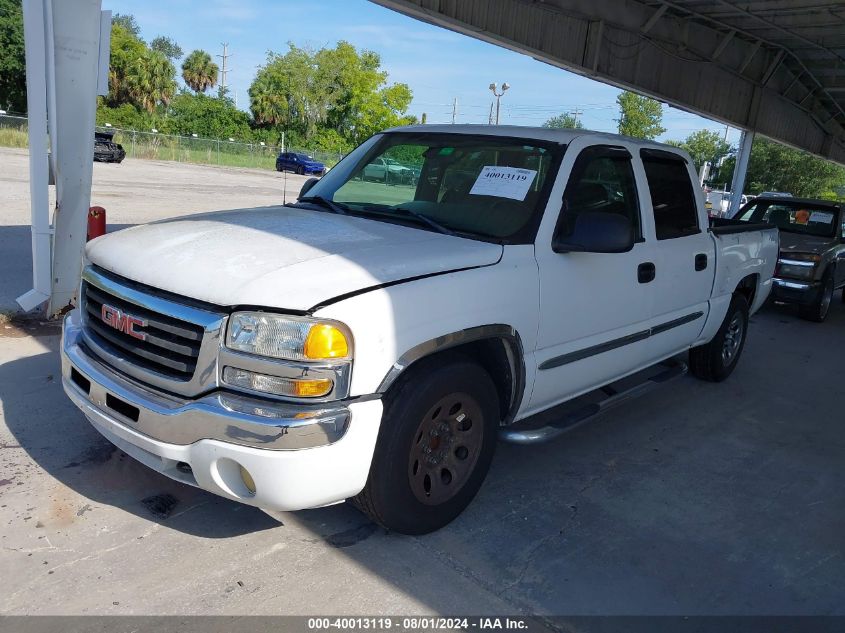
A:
<point x="171" y="347"/>
<point x="182" y="337"/>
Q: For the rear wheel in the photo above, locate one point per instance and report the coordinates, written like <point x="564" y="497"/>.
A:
<point x="437" y="440"/>
<point x="818" y="310"/>
<point x="716" y="360"/>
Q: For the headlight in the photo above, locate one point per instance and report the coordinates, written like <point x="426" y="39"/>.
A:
<point x="288" y="337"/>
<point x="797" y="265"/>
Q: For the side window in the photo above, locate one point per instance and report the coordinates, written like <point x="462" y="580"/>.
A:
<point x="745" y="216"/>
<point x="602" y="180"/>
<point x="672" y="197"/>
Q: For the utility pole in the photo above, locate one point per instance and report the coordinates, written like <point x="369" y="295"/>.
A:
<point x="226" y="55"/>
<point x="498" y="96"/>
<point x="490" y="116"/>
<point x="575" y="114"/>
<point x="454" y="109"/>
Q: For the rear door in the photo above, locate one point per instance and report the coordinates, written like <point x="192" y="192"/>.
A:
<point x="684" y="253"/>
<point x="594" y="307"/>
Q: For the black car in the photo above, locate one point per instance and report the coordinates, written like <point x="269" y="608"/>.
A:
<point x="811" y="265"/>
<point x="106" y="150"/>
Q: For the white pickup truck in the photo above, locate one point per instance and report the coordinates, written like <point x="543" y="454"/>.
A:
<point x="373" y="339"/>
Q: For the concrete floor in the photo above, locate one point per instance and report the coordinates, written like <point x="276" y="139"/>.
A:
<point x="696" y="499"/>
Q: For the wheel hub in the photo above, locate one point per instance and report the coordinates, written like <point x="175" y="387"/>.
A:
<point x="445" y="448"/>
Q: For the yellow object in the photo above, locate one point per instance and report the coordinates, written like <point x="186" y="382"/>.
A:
<point x="247" y="479"/>
<point x="311" y="388"/>
<point x="325" y="341"/>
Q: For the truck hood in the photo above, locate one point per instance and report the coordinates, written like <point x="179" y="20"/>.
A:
<point x="280" y="257"/>
<point x="796" y="243"/>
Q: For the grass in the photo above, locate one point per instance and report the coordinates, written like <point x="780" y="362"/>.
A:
<point x="13" y="137"/>
<point x="182" y="150"/>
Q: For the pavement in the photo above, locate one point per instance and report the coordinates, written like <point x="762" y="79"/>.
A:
<point x="697" y="499"/>
<point x="132" y="192"/>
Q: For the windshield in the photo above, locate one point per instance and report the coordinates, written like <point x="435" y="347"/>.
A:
<point x="490" y="187"/>
<point x="793" y="217"/>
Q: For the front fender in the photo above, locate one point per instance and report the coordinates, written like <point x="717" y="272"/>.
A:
<point x="393" y="327"/>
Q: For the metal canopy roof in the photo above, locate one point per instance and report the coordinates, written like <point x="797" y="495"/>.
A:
<point x="776" y="67"/>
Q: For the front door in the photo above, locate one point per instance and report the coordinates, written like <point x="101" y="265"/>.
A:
<point x="594" y="307"/>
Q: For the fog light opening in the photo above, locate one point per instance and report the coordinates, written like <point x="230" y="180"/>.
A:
<point x="247" y="479"/>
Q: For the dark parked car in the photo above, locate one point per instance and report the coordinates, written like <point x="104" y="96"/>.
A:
<point x="300" y="163"/>
<point x="106" y="150"/>
<point x="811" y="265"/>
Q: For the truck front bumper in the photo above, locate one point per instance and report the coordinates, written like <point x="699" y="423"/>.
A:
<point x="295" y="456"/>
<point x="792" y="291"/>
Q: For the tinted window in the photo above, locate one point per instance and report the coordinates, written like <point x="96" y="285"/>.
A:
<point x="602" y="180"/>
<point x="672" y="198"/>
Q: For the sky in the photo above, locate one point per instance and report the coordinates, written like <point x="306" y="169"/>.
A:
<point x="440" y="66"/>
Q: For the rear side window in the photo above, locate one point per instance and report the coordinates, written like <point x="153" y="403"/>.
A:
<point x="672" y="197"/>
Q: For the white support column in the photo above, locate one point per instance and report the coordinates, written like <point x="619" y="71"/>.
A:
<point x="63" y="61"/>
<point x="36" y="97"/>
<point x="76" y="39"/>
<point x="740" y="171"/>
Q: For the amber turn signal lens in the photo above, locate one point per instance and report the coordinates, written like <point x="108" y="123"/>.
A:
<point x="325" y="341"/>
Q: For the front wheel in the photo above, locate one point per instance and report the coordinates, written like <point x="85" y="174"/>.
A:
<point x="818" y="310"/>
<point x="300" y="170"/>
<point x="716" y="360"/>
<point x="437" y="439"/>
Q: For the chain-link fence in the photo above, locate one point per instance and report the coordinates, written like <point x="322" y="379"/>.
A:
<point x="186" y="149"/>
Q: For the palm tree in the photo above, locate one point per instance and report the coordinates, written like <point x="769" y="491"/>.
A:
<point x="149" y="80"/>
<point x="199" y="72"/>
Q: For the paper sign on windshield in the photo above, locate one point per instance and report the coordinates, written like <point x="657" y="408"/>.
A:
<point x="821" y="216"/>
<point x="503" y="182"/>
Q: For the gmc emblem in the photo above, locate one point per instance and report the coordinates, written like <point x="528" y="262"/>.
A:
<point x="123" y="322"/>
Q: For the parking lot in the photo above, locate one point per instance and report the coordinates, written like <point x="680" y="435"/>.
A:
<point x="696" y="499"/>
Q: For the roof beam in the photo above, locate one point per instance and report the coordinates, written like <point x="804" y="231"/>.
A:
<point x="654" y="18"/>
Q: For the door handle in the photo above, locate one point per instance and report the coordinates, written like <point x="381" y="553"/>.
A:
<point x="701" y="261"/>
<point x="646" y="272"/>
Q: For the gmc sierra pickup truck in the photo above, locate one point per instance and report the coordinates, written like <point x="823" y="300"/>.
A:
<point x="373" y="339"/>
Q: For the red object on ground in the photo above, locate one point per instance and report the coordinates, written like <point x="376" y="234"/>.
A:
<point x="96" y="222"/>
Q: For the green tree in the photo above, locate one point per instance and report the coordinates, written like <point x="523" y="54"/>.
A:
<point x="167" y="47"/>
<point x="126" y="49"/>
<point x="329" y="95"/>
<point x="639" y="116"/>
<point x="208" y="117"/>
<point x="199" y="72"/>
<point x="128" y="22"/>
<point x="12" y="63"/>
<point x="149" y="80"/>
<point x="776" y="167"/>
<point x="705" y="146"/>
<point x="563" y="121"/>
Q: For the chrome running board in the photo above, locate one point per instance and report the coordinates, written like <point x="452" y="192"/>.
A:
<point x="524" y="432"/>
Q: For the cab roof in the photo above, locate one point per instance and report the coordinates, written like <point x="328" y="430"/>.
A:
<point x="555" y="135"/>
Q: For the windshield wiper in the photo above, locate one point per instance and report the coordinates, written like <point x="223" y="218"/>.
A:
<point x="326" y="203"/>
<point x="414" y="214"/>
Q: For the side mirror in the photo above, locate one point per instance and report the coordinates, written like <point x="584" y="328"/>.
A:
<point x="306" y="186"/>
<point x="597" y="232"/>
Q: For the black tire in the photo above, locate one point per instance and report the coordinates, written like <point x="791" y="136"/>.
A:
<point x="820" y="308"/>
<point x="716" y="360"/>
<point x="419" y="438"/>
<point x="300" y="170"/>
